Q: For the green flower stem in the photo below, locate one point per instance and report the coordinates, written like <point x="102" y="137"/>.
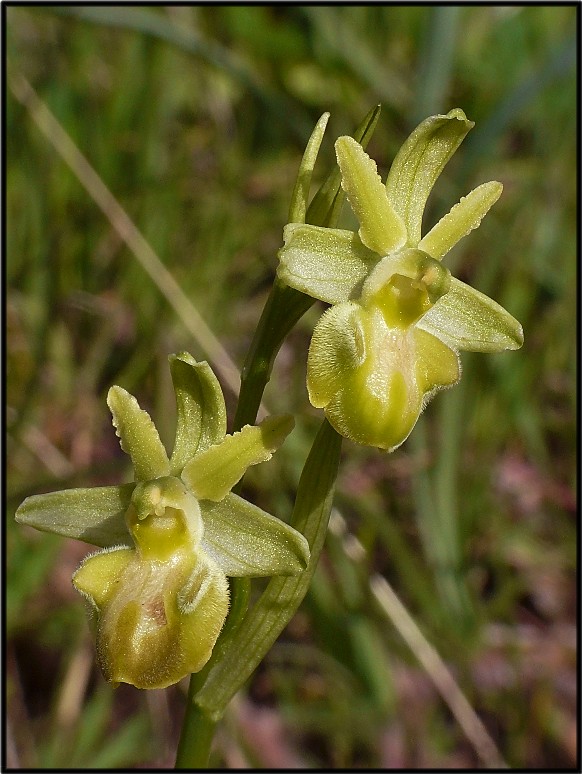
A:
<point x="268" y="617"/>
<point x="284" y="307"/>
<point x="198" y="725"/>
<point x="197" y="730"/>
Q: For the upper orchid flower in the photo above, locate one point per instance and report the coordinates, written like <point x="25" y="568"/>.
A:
<point x="398" y="320"/>
<point x="158" y="591"/>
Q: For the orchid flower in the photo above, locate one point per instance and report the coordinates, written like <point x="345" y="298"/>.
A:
<point x="398" y="319"/>
<point x="157" y="591"/>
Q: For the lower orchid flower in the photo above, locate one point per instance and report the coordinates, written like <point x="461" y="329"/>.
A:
<point x="157" y="592"/>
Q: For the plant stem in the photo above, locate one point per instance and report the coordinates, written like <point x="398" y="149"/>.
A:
<point x="197" y="731"/>
<point x="276" y="606"/>
<point x="283" y="309"/>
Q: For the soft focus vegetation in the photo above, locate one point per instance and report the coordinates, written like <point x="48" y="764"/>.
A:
<point x="196" y="118"/>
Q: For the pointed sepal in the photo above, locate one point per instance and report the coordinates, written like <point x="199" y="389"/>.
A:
<point x="201" y="420"/>
<point x="246" y="541"/>
<point x="469" y="320"/>
<point x="324" y="263"/>
<point x="418" y="164"/>
<point x="95" y="515"/>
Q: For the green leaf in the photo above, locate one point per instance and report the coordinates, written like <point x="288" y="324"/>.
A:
<point x="381" y="228"/>
<point x="95" y="515"/>
<point x="276" y="606"/>
<point x="201" y="419"/>
<point x="461" y="220"/>
<point x="325" y="207"/>
<point x="211" y="474"/>
<point x="329" y="264"/>
<point x="246" y="541"/>
<point x="300" y="195"/>
<point x="138" y="435"/>
<point x="418" y="164"/>
<point x="469" y="320"/>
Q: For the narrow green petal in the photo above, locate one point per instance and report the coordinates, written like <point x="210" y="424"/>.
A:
<point x="338" y="346"/>
<point x="246" y="541"/>
<point x="326" y="205"/>
<point x="418" y="164"/>
<point x="138" y="435"/>
<point x="95" y="515"/>
<point x="300" y="194"/>
<point x="201" y="411"/>
<point x="381" y="228"/>
<point x="329" y="264"/>
<point x="469" y="320"/>
<point x="211" y="474"/>
<point x="461" y="220"/>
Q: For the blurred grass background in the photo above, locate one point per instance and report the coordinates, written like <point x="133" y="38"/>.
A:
<point x="196" y="118"/>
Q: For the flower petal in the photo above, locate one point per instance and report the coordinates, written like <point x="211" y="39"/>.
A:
<point x="138" y="435"/>
<point x="378" y="402"/>
<point x="95" y="515"/>
<point x="326" y="205"/>
<point x="418" y="164"/>
<point x="203" y="604"/>
<point x="469" y="320"/>
<point x="374" y="392"/>
<point x="211" y="474"/>
<point x="201" y="411"/>
<point x="98" y="575"/>
<point x="300" y="195"/>
<point x="372" y="418"/>
<point x="437" y="365"/>
<point x="338" y="346"/>
<point x="156" y="621"/>
<point x="329" y="264"/>
<point x="461" y="220"/>
<point x="246" y="541"/>
<point x="381" y="228"/>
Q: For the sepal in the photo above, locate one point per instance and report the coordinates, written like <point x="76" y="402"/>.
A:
<point x="95" y="515"/>
<point x="329" y="264"/>
<point x="469" y="320"/>
<point x="246" y="541"/>
<point x="201" y="412"/>
<point x="418" y="164"/>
